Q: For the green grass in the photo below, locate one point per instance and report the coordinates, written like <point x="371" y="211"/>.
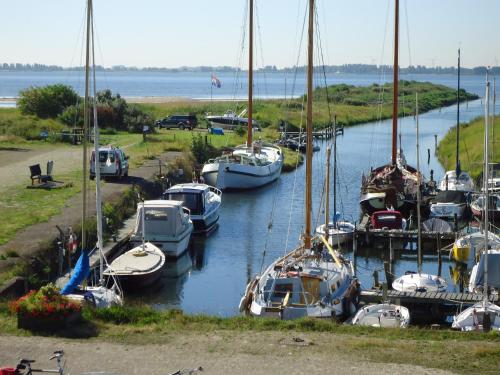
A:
<point x="471" y="147"/>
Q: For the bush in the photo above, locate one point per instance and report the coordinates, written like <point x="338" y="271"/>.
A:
<point x="46" y="102"/>
<point x="240" y="130"/>
<point x="201" y="150"/>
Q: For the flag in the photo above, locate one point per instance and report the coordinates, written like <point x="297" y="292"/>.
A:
<point x="215" y="81"/>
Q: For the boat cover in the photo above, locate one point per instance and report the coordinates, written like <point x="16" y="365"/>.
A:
<point x="80" y="273"/>
<point x="436" y="225"/>
<point x="451" y="196"/>
<point x="493" y="270"/>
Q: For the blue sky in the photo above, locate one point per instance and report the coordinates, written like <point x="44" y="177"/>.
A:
<point x="171" y="33"/>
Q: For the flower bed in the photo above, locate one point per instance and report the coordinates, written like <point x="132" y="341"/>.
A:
<point x="45" y="310"/>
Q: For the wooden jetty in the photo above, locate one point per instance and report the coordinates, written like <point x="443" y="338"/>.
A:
<point x="324" y="133"/>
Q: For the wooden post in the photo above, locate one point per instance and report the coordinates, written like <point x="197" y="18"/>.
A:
<point x="391" y="250"/>
<point x="440" y="260"/>
<point x="375" y="279"/>
<point x="435" y="141"/>
<point x="388" y="274"/>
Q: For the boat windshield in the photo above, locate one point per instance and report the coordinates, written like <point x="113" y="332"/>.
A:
<point x="192" y="201"/>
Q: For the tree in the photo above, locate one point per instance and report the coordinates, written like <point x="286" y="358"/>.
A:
<point x="48" y="101"/>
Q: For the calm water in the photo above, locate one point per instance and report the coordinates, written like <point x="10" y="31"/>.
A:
<point x="197" y="85"/>
<point x="213" y="280"/>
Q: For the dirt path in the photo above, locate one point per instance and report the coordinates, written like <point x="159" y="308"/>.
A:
<point x="218" y="353"/>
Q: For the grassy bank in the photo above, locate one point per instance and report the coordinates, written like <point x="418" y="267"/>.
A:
<point x="442" y="349"/>
<point x="471" y="146"/>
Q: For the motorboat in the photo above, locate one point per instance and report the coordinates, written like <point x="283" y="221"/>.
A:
<point x="230" y="120"/>
<point x="382" y="315"/>
<point x="477" y="206"/>
<point x="436" y="225"/>
<point x="475" y="241"/>
<point x="166" y="225"/>
<point x="464" y="182"/>
<point x="203" y="202"/>
<point x="472" y="318"/>
<point x="476" y="280"/>
<point x="246" y="167"/>
<point x="137" y="268"/>
<point x="449" y="204"/>
<point x="339" y="232"/>
<point x="388" y="219"/>
<point x="419" y="282"/>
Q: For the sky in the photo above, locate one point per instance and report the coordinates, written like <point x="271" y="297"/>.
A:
<point x="173" y="33"/>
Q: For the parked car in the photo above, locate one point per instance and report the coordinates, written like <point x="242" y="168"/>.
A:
<point x="178" y="121"/>
<point x="112" y="161"/>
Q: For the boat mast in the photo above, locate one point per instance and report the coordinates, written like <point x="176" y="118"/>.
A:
<point x="485" y="184"/>
<point x="395" y="84"/>
<point x="419" y="234"/>
<point x="327" y="199"/>
<point x="307" y="234"/>
<point x="335" y="170"/>
<point x="250" y="74"/>
<point x="86" y="120"/>
<point x="457" y="163"/>
<point x="98" y="196"/>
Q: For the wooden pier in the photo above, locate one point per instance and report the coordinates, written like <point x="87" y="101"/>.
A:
<point x="324" y="133"/>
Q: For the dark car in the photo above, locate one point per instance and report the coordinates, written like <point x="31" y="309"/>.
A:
<point x="178" y="121"/>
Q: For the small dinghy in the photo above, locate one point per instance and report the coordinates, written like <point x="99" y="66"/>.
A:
<point x="472" y="318"/>
<point x="339" y="232"/>
<point x="419" y="282"/>
<point x="137" y="268"/>
<point x="383" y="315"/>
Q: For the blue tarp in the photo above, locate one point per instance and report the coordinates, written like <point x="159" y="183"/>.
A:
<point x="80" y="273"/>
<point x="217" y="131"/>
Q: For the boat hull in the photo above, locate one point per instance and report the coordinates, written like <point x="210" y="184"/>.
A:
<point x="171" y="247"/>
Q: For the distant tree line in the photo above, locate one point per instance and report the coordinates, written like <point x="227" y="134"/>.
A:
<point x="61" y="102"/>
<point x="346" y="68"/>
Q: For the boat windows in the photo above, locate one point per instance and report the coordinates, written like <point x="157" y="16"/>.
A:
<point x="155" y="215"/>
<point x="192" y="201"/>
<point x="280" y="291"/>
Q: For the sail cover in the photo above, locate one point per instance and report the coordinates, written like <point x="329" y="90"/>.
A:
<point x="493" y="270"/>
<point x="80" y="273"/>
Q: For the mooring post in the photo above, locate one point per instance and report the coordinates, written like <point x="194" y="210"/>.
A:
<point x="375" y="279"/>
<point x="391" y="251"/>
<point x="388" y="274"/>
<point x="428" y="156"/>
<point x="435" y="141"/>
<point x="440" y="260"/>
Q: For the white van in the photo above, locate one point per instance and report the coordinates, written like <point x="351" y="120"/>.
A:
<point x="112" y="161"/>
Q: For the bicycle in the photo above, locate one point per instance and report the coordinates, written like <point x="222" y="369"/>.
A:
<point x="24" y="365"/>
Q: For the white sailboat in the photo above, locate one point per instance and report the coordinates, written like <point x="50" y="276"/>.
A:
<point x="457" y="179"/>
<point x="419" y="281"/>
<point x="99" y="295"/>
<point x="483" y="315"/>
<point x="251" y="165"/>
<point x="313" y="280"/>
<point x="383" y="315"/>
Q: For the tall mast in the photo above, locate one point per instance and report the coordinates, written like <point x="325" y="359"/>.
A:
<point x="457" y="163"/>
<point x="250" y="74"/>
<point x="493" y="119"/>
<point x="327" y="198"/>
<point x="307" y="234"/>
<point x="395" y="84"/>
<point x="485" y="186"/>
<point x="86" y="120"/>
<point x="98" y="204"/>
<point x="334" y="168"/>
<point x="419" y="238"/>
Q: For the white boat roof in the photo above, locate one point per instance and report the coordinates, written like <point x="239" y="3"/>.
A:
<point x="161" y="203"/>
<point x="192" y="186"/>
<point x="135" y="261"/>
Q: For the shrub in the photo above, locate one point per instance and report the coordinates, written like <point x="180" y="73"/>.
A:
<point x="46" y="102"/>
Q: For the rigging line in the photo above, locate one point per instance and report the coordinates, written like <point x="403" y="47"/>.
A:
<point x="239" y="59"/>
<point x="259" y="41"/>
<point x="270" y="224"/>
<point x="408" y="33"/>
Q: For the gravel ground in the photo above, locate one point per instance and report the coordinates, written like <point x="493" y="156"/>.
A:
<point x="229" y="353"/>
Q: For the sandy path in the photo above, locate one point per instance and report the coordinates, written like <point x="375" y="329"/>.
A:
<point x="218" y="353"/>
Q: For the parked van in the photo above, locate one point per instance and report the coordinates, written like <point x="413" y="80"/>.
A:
<point x="112" y="161"/>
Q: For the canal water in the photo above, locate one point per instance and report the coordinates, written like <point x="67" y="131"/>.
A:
<point x="256" y="227"/>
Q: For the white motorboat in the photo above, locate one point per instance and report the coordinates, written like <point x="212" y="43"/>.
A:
<point x="419" y="282"/>
<point x="313" y="280"/>
<point x="475" y="241"/>
<point x="464" y="182"/>
<point x="203" y="202"/>
<point x="383" y="315"/>
<point x="138" y="267"/>
<point x="167" y="226"/>
<point x="339" y="232"/>
<point x="448" y="204"/>
<point x="245" y="167"/>
<point x="472" y="318"/>
<point x="230" y="120"/>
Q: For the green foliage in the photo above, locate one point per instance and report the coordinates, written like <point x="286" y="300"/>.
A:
<point x="46" y="102"/>
<point x="240" y="130"/>
<point x="201" y="149"/>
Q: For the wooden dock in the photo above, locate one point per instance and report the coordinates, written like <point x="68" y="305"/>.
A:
<point x="324" y="133"/>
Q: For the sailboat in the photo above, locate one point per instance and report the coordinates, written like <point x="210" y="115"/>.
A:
<point x="313" y="280"/>
<point x="483" y="315"/>
<point x="457" y="179"/>
<point x="251" y="165"/>
<point x="337" y="232"/>
<point x="419" y="281"/>
<point x="391" y="186"/>
<point x="382" y="315"/>
<point x="99" y="295"/>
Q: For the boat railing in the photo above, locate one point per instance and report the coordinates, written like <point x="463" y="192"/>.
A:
<point x="215" y="190"/>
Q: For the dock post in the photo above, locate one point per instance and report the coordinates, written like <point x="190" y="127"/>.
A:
<point x="440" y="259"/>
<point x="435" y="141"/>
<point x="391" y="250"/>
<point x="428" y="156"/>
<point x="354" y="247"/>
<point x="375" y="279"/>
<point x="388" y="274"/>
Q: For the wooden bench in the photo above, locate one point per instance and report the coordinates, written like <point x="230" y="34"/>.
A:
<point x="36" y="173"/>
